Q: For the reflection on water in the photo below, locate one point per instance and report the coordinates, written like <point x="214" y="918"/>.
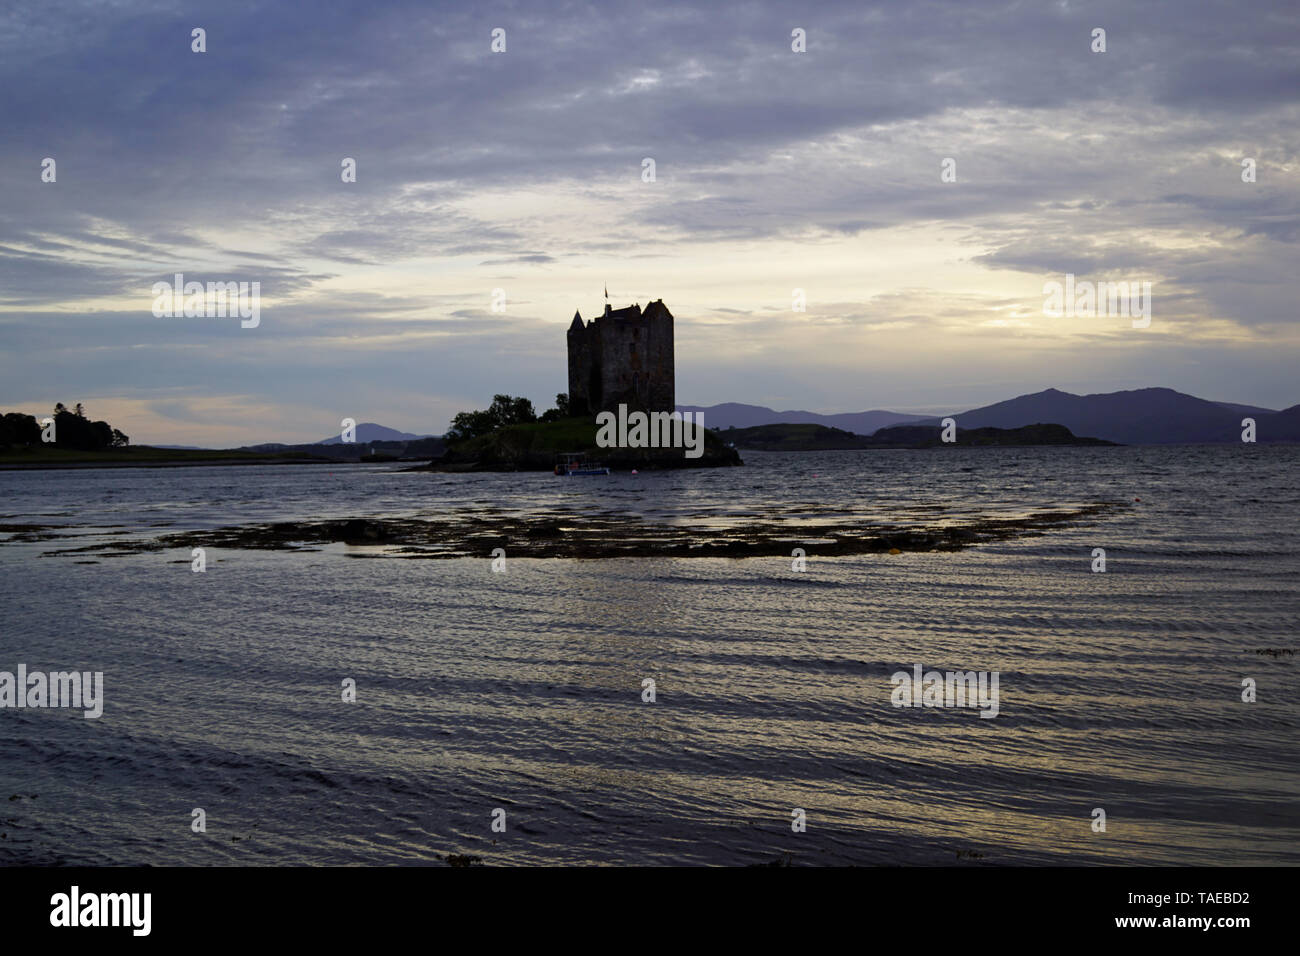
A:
<point x="522" y="689"/>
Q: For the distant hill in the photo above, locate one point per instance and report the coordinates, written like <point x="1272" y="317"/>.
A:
<point x="783" y="437"/>
<point x="1145" y="416"/>
<point x="736" y="415"/>
<point x="792" y="437"/>
<point x="369" y="431"/>
<point x="930" y="436"/>
<point x="359" y="450"/>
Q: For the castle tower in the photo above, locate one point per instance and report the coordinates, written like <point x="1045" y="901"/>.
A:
<point x="624" y="356"/>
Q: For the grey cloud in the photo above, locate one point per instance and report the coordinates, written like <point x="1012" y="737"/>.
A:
<point x="162" y="153"/>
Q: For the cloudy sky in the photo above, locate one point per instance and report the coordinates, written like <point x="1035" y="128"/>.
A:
<point x="522" y="171"/>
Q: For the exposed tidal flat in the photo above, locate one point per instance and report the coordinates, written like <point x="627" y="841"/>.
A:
<point x="479" y="532"/>
<point x="521" y="689"/>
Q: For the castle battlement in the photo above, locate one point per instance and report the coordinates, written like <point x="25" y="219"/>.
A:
<point x="622" y="357"/>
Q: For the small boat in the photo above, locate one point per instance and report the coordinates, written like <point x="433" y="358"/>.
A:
<point x="576" y="464"/>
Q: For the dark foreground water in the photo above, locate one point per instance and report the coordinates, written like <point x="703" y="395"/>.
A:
<point x="521" y="690"/>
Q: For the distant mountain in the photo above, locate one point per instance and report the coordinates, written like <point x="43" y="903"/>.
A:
<point x="735" y="415"/>
<point x="1247" y="409"/>
<point x="369" y="431"/>
<point x="1144" y="416"/>
<point x="1280" y="426"/>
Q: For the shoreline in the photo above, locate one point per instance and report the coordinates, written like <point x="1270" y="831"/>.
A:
<point x="177" y="463"/>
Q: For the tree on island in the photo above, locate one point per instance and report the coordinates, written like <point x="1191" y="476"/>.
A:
<point x="505" y="410"/>
<point x="561" y="409"/>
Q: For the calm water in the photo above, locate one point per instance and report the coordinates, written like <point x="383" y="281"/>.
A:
<point x="522" y="689"/>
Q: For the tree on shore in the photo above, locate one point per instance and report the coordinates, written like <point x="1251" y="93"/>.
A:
<point x="71" y="430"/>
<point x="19" y="430"/>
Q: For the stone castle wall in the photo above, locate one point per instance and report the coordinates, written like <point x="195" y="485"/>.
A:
<point x="623" y="357"/>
